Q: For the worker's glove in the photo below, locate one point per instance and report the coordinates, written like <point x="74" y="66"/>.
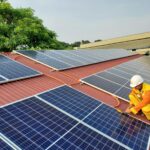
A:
<point x="128" y="110"/>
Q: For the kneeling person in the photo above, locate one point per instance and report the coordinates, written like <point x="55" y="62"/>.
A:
<point x="139" y="96"/>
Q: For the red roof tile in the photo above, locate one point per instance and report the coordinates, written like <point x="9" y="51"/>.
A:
<point x="13" y="91"/>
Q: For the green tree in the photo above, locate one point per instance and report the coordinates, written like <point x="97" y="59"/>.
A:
<point x="20" y="28"/>
<point x="76" y="44"/>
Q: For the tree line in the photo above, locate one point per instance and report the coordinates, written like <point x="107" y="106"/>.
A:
<point x="21" y="29"/>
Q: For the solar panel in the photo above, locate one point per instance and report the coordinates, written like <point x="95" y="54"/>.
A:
<point x="32" y="124"/>
<point x="83" y="138"/>
<point x="65" y="56"/>
<point x="44" y="59"/>
<point x="38" y="123"/>
<point x="125" y="129"/>
<point x="66" y="59"/>
<point x="116" y="80"/>
<point x="4" y="59"/>
<point x="72" y="101"/>
<point x="11" y="70"/>
<point x="2" y="79"/>
<point x="4" y="145"/>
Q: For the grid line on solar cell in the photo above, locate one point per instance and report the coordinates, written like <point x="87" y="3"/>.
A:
<point x="38" y="111"/>
<point x="34" y="124"/>
<point x="125" y="129"/>
<point x="9" y="142"/>
<point x="72" y="61"/>
<point x="63" y="61"/>
<point x="59" y="90"/>
<point x="71" y="101"/>
<point x="43" y="59"/>
<point x="4" y="145"/>
<point x="84" y="57"/>
<point x="12" y="70"/>
<point x="113" y="79"/>
<point x="82" y="137"/>
<point x="116" y="80"/>
<point x="139" y="71"/>
<point x="102" y="83"/>
<point x="57" y="59"/>
<point x="109" y="76"/>
<point x="4" y="59"/>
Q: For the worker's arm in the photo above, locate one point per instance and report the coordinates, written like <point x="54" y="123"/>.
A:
<point x="133" y="102"/>
<point x="144" y="102"/>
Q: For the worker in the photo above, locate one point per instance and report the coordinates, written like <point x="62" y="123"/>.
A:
<point x="139" y="96"/>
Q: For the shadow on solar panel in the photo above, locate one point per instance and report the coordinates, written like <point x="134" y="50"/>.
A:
<point x="11" y="70"/>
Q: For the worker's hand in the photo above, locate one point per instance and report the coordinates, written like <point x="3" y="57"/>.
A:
<point x="128" y="110"/>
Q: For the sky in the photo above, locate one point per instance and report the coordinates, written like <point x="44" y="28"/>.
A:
<point x="76" y="20"/>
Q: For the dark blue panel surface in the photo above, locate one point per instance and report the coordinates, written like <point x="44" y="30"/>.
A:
<point x="116" y="80"/>
<point x="71" y="101"/>
<point x="13" y="70"/>
<point x="125" y="129"/>
<point x="65" y="59"/>
<point x="4" y="145"/>
<point x="48" y="60"/>
<point x="123" y="93"/>
<point x="83" y="138"/>
<point x="2" y="79"/>
<point x="120" y="73"/>
<point x="102" y="83"/>
<point x="112" y="77"/>
<point x="4" y="59"/>
<point x="32" y="124"/>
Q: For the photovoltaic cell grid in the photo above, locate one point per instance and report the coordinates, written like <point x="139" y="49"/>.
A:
<point x="11" y="70"/>
<point x="116" y="80"/>
<point x="71" y="101"/>
<point x="4" y="146"/>
<point x="65" y="59"/>
<point x="127" y="130"/>
<point x="34" y="124"/>
<point x="83" y="138"/>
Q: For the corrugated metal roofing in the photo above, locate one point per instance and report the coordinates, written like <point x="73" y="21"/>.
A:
<point x="141" y="40"/>
<point x="14" y="91"/>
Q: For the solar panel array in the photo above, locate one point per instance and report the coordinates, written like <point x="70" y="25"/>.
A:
<point x="52" y="120"/>
<point x="71" y="101"/>
<point x="122" y="128"/>
<point x="65" y="59"/>
<point x="116" y="80"/>
<point x="11" y="70"/>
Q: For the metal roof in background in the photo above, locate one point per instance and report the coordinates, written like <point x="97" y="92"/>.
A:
<point x="135" y="41"/>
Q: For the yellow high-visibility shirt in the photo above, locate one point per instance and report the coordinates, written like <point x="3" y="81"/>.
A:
<point x="140" y="99"/>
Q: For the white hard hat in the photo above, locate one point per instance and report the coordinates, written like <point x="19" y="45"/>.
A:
<point x="136" y="80"/>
